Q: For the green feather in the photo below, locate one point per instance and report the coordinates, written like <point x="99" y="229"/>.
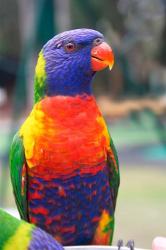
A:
<point x="17" y="160"/>
<point x="8" y="226"/>
<point x="114" y="176"/>
<point x="14" y="233"/>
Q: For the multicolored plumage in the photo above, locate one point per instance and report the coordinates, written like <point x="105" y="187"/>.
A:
<point x="19" y="235"/>
<point x="64" y="166"/>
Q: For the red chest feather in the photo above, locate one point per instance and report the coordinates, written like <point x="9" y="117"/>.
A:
<point x="69" y="133"/>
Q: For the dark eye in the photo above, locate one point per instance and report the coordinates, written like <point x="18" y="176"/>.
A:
<point x="97" y="41"/>
<point x="70" y="47"/>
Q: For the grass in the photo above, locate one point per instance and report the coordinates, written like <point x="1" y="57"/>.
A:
<point x="141" y="206"/>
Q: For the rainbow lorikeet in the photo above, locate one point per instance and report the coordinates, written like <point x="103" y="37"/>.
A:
<point x="19" y="235"/>
<point x="64" y="166"/>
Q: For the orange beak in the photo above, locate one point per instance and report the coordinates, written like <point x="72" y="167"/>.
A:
<point x="101" y="57"/>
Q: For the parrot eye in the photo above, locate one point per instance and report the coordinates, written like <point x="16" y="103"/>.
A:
<point x="70" y="47"/>
<point x="97" y="41"/>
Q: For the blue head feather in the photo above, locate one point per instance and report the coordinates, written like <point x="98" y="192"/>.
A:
<point x="70" y="73"/>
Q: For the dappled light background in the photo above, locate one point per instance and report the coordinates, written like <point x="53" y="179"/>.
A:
<point x="132" y="96"/>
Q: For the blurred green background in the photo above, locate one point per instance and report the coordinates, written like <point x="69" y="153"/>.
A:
<point x="132" y="96"/>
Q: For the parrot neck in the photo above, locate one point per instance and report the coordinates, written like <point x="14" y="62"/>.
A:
<point x="70" y="89"/>
<point x="43" y="89"/>
<point x="63" y="89"/>
<point x="69" y="82"/>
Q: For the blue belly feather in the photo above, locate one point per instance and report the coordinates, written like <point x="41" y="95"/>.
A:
<point x="85" y="198"/>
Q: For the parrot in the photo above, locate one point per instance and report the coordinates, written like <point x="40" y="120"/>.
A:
<point x="63" y="163"/>
<point x="19" y="235"/>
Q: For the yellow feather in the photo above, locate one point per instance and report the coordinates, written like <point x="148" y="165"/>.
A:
<point x="31" y="128"/>
<point x="21" y="239"/>
<point x="40" y="68"/>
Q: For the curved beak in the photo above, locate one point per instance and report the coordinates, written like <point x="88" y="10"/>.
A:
<point x="101" y="57"/>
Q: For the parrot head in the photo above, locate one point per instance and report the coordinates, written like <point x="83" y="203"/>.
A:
<point x="68" y="62"/>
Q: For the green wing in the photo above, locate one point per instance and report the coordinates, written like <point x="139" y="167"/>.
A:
<point x="114" y="179"/>
<point x="18" y="172"/>
<point x="114" y="174"/>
